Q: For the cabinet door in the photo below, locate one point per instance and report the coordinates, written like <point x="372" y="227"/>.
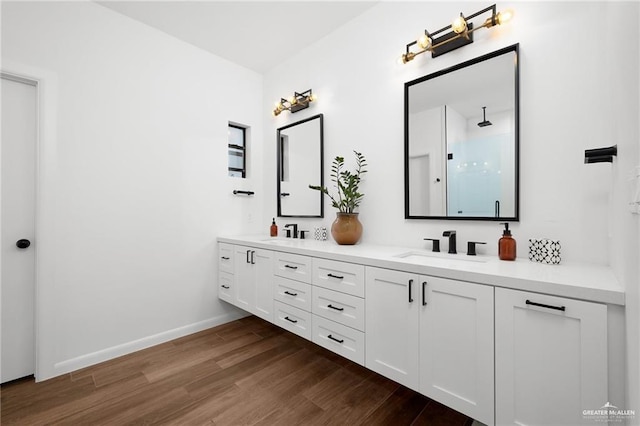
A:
<point x="244" y="275"/>
<point x="263" y="283"/>
<point x="551" y="358"/>
<point x="456" y="345"/>
<point x="391" y="313"/>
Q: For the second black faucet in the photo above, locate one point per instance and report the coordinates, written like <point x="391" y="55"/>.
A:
<point x="452" y="241"/>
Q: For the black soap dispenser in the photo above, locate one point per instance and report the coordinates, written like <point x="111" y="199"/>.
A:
<point x="506" y="245"/>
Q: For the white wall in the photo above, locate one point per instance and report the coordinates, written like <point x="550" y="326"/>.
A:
<point x="578" y="90"/>
<point x="134" y="187"/>
<point x="623" y="89"/>
<point x="360" y="90"/>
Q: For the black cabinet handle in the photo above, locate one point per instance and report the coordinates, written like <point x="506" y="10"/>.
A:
<point x="335" y="340"/>
<point x="542" y="305"/>
<point x="225" y="286"/>
<point x="291" y="320"/>
<point x="253" y="261"/>
<point x="290" y="294"/>
<point x="424" y="293"/>
<point x="410" y="285"/>
<point x="248" y="251"/>
<point x="290" y="267"/>
<point x="335" y="276"/>
<point x="225" y="258"/>
<point x="334" y="307"/>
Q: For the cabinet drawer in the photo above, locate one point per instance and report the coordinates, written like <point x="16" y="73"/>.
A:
<point x="343" y="308"/>
<point x="293" y="319"/>
<point x="293" y="293"/>
<point x="338" y="338"/>
<point x="293" y="266"/>
<point x="340" y="276"/>
<point x="225" y="257"/>
<point x="226" y="288"/>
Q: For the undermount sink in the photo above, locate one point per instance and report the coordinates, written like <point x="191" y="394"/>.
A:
<point x="275" y="241"/>
<point x="426" y="256"/>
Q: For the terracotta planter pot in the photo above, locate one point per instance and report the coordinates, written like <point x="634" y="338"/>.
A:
<point x="346" y="229"/>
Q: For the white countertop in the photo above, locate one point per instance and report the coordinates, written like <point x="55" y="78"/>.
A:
<point x="575" y="280"/>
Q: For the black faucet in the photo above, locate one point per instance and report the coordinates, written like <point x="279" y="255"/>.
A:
<point x="295" y="229"/>
<point x="452" y="241"/>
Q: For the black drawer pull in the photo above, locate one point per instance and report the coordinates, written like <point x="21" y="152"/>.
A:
<point x="335" y="276"/>
<point x="290" y="294"/>
<point x="542" y="305"/>
<point x="335" y="340"/>
<point x="410" y="285"/>
<point x="290" y="267"/>
<point x="334" y="307"/>
<point x="225" y="258"/>
<point x="225" y="286"/>
<point x="248" y="251"/>
<point x="424" y="293"/>
<point x="291" y="320"/>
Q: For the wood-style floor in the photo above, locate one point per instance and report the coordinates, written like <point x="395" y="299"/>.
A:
<point x="242" y="373"/>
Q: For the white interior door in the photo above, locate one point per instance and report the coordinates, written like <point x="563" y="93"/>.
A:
<point x="19" y="124"/>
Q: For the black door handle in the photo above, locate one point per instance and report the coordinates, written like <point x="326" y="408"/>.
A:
<point x="410" y="285"/>
<point x="424" y="293"/>
<point x="542" y="305"/>
<point x="23" y="244"/>
<point x="335" y="340"/>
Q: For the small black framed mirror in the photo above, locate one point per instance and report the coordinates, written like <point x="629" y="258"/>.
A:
<point x="461" y="129"/>
<point x="300" y="148"/>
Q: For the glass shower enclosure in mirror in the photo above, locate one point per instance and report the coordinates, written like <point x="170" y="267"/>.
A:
<point x="300" y="164"/>
<point x="461" y="140"/>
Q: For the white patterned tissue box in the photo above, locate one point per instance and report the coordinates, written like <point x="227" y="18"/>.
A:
<point x="320" y="233"/>
<point x="544" y="250"/>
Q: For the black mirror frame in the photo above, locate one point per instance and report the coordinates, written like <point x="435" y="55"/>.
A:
<point x="279" y="168"/>
<point x="513" y="48"/>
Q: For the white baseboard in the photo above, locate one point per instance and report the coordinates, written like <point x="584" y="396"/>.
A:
<point x="87" y="360"/>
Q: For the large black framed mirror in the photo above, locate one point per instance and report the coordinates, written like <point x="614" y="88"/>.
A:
<point x="461" y="129"/>
<point x="300" y="147"/>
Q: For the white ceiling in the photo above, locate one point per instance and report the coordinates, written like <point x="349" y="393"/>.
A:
<point x="255" y="34"/>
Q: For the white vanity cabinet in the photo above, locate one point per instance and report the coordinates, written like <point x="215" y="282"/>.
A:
<point x="254" y="281"/>
<point x="433" y="335"/>
<point x="486" y="339"/>
<point x="551" y="358"/>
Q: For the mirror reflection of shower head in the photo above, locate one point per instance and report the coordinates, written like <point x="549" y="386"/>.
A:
<point x="484" y="122"/>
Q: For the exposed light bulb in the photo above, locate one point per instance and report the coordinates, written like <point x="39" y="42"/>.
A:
<point x="459" y="25"/>
<point x="407" y="57"/>
<point x="424" y="41"/>
<point x="313" y="97"/>
<point x="504" y="16"/>
<point x="293" y="100"/>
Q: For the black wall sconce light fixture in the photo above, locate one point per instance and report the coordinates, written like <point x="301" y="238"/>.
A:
<point x="461" y="34"/>
<point x="600" y="155"/>
<point x="295" y="103"/>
